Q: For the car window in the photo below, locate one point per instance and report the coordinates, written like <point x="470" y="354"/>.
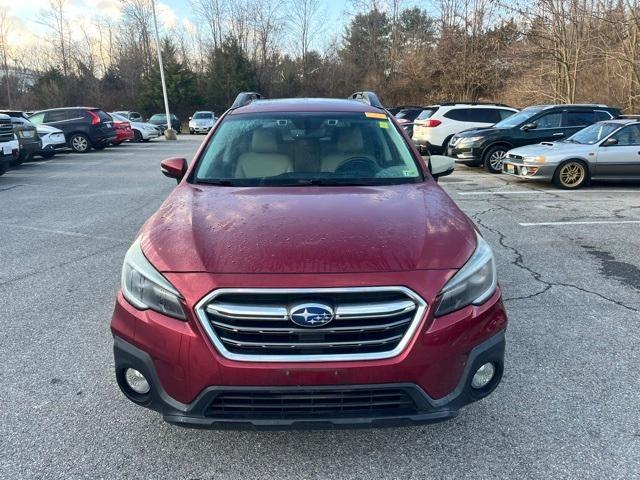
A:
<point x="314" y="148"/>
<point x="202" y="116"/>
<point x="37" y="118"/>
<point x="484" y="115"/>
<point x="135" y="116"/>
<point x="579" y="119"/>
<point x="158" y="116"/>
<point x="426" y="113"/>
<point x="602" y="115"/>
<point x="517" y="119"/>
<point x="56" y="116"/>
<point x="550" y="120"/>
<point x="459" y="114"/>
<point x="409" y="114"/>
<point x="505" y="113"/>
<point x="629" y="135"/>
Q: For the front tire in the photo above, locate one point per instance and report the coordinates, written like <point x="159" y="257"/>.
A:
<point x="137" y="136"/>
<point x="571" y="175"/>
<point x="493" y="159"/>
<point x="79" y="143"/>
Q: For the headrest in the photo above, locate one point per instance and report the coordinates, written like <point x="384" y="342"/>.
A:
<point x="264" y="141"/>
<point x="350" y="140"/>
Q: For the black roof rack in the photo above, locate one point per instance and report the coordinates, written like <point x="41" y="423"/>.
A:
<point x="493" y="104"/>
<point x="245" y="98"/>
<point x="369" y="98"/>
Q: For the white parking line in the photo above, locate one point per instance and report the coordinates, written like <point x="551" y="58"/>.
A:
<point x="535" y="192"/>
<point x="63" y="232"/>
<point x="594" y="222"/>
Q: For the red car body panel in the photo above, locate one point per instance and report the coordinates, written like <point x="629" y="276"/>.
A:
<point x="123" y="131"/>
<point x="274" y="230"/>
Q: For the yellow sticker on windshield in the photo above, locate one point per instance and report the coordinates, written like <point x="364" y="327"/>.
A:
<point x="383" y="124"/>
<point x="375" y="115"/>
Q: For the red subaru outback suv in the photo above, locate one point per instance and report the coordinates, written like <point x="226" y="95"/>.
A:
<point x="308" y="271"/>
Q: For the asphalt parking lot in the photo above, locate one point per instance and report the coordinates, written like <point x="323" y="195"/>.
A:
<point x="568" y="407"/>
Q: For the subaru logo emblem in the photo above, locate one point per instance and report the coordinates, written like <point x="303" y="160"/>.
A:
<point x="311" y="314"/>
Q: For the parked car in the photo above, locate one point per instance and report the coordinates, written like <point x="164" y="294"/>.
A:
<point x="535" y="124"/>
<point x="437" y="124"/>
<point x="53" y="140"/>
<point x="608" y="150"/>
<point x="83" y="127"/>
<point x="27" y="135"/>
<point x="123" y="130"/>
<point x="129" y="115"/>
<point x="160" y="120"/>
<point x="201" y="122"/>
<point x="9" y="146"/>
<point x="142" y="131"/>
<point x="406" y="116"/>
<point x="316" y="297"/>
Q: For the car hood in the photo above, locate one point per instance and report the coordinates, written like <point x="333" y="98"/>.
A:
<point x="484" y="131"/>
<point x="552" y="148"/>
<point x="202" y="228"/>
<point x="46" y="129"/>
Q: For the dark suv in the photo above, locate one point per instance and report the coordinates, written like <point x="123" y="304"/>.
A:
<point x="27" y="135"/>
<point x="83" y="127"/>
<point x="535" y="124"/>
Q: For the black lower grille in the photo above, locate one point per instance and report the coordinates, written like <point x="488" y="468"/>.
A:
<point x="311" y="403"/>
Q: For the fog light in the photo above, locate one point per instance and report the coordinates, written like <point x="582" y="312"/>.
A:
<point x="483" y="376"/>
<point x="137" y="381"/>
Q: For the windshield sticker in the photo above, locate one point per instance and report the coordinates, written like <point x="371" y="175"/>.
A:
<point x="375" y="115"/>
<point x="383" y="124"/>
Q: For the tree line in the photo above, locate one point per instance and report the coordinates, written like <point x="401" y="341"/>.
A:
<point x="532" y="51"/>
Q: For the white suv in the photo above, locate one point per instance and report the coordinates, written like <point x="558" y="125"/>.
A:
<point x="436" y="124"/>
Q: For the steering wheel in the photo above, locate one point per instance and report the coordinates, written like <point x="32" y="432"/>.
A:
<point x="362" y="166"/>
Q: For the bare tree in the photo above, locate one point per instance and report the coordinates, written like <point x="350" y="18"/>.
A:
<point x="4" y="52"/>
<point x="305" y="22"/>
<point x="213" y="13"/>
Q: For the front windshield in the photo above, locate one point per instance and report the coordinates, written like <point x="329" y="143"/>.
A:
<point x="593" y="133"/>
<point x="158" y="116"/>
<point x="202" y="116"/>
<point x="307" y="149"/>
<point x="517" y="119"/>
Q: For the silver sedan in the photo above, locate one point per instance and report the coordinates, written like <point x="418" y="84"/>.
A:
<point x="608" y="150"/>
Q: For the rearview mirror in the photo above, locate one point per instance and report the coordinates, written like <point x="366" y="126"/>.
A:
<point x="610" y="141"/>
<point x="174" y="168"/>
<point x="441" y="166"/>
<point x="529" y="126"/>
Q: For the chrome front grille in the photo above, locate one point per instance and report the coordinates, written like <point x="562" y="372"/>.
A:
<point x="256" y="325"/>
<point x="6" y="131"/>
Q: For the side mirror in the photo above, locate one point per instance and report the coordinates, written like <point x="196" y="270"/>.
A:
<point x="529" y="126"/>
<point x="609" y="142"/>
<point x="174" y="168"/>
<point x="441" y="166"/>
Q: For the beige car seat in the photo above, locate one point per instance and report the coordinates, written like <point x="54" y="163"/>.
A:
<point x="350" y="144"/>
<point x="263" y="159"/>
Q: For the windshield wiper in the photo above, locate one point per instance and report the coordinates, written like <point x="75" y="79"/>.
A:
<point x="217" y="181"/>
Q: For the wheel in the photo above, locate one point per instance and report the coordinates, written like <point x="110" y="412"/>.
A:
<point x="47" y="154"/>
<point x="190" y="131"/>
<point x="137" y="136"/>
<point x="571" y="175"/>
<point x="445" y="145"/>
<point x="493" y="159"/>
<point x="79" y="143"/>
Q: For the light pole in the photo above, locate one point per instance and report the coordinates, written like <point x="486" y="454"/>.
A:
<point x="169" y="133"/>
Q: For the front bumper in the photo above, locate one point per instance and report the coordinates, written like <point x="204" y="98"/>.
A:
<point x="184" y="366"/>
<point x="149" y="134"/>
<point x="528" y="171"/>
<point x="199" y="412"/>
<point x="199" y="129"/>
<point x="466" y="155"/>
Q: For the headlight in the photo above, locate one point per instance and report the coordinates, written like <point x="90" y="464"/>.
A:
<point x="474" y="283"/>
<point x="537" y="159"/>
<point x="469" y="140"/>
<point x="145" y="288"/>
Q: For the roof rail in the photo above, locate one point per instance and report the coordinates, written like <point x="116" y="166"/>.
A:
<point x="493" y="104"/>
<point x="369" y="98"/>
<point x="245" y="98"/>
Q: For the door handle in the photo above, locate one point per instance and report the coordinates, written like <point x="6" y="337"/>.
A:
<point x="558" y="134"/>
